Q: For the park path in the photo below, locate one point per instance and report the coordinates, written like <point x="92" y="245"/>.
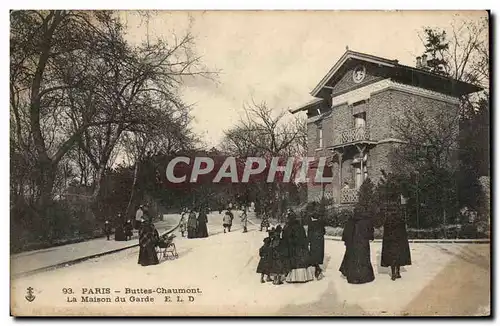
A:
<point x="29" y="261"/>
<point x="222" y="267"/>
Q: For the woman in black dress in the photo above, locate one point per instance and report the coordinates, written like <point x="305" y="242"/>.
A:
<point x="202" y="223"/>
<point x="356" y="265"/>
<point x="192" y="225"/>
<point x="294" y="237"/>
<point x="395" y="247"/>
<point x="264" y="267"/>
<point x="148" y="238"/>
<point x="279" y="266"/>
<point x="316" y="237"/>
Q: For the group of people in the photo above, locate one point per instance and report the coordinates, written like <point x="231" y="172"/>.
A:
<point x="358" y="232"/>
<point x="289" y="254"/>
<point x="195" y="225"/>
<point x="123" y="232"/>
<point x="227" y="220"/>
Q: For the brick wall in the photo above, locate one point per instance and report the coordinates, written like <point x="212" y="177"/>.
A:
<point x="382" y="108"/>
<point x="341" y="119"/>
<point x="312" y="142"/>
<point x="328" y="131"/>
<point x="378" y="158"/>
<point x="378" y="115"/>
<point x="346" y="82"/>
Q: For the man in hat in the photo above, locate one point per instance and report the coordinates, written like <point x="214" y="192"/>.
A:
<point x="138" y="217"/>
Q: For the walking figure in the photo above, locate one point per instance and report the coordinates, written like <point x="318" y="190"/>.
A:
<point x="107" y="229"/>
<point x="244" y="219"/>
<point x="356" y="265"/>
<point x="316" y="237"/>
<point x="264" y="267"/>
<point x="148" y="240"/>
<point x="183" y="222"/>
<point x="202" y="230"/>
<point x="264" y="224"/>
<point x="227" y="221"/>
<point x="192" y="225"/>
<point x="138" y="217"/>
<point x="279" y="255"/>
<point x="395" y="247"/>
<point x="128" y="230"/>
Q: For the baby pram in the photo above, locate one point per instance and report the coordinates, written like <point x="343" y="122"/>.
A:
<point x="165" y="247"/>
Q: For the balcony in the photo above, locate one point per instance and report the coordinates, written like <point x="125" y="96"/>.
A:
<point x="353" y="135"/>
<point x="348" y="196"/>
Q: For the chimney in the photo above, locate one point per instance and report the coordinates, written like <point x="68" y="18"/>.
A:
<point x="419" y="63"/>
<point x="424" y="61"/>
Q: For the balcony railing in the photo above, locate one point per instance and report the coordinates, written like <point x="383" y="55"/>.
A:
<point x="354" y="134"/>
<point x="349" y="196"/>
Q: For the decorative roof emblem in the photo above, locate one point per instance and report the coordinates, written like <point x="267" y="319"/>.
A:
<point x="359" y="74"/>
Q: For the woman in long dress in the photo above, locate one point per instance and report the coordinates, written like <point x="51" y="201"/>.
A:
<point x="148" y="238"/>
<point x="192" y="224"/>
<point x="395" y="247"/>
<point x="294" y="237"/>
<point x="356" y="265"/>
<point x="202" y="224"/>
<point x="316" y="237"/>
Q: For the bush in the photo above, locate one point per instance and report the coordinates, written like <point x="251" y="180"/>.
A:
<point x="62" y="223"/>
<point x="334" y="231"/>
<point x="337" y="217"/>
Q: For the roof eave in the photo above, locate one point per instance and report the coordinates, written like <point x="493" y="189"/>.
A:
<point x="306" y="106"/>
<point x="467" y="87"/>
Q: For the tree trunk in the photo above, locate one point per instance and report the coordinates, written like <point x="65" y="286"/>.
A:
<point x="45" y="184"/>
<point x="136" y="171"/>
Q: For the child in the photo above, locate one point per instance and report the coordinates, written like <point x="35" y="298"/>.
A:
<point x="265" y="260"/>
<point x="278" y="256"/>
<point x="264" y="223"/>
<point x="227" y="221"/>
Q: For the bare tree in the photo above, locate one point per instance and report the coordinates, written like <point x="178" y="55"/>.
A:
<point x="430" y="139"/>
<point x="75" y="81"/>
<point x="462" y="54"/>
<point x="264" y="131"/>
<point x="267" y="133"/>
<point x="51" y="56"/>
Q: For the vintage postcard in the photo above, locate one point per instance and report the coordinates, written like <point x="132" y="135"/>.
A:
<point x="249" y="163"/>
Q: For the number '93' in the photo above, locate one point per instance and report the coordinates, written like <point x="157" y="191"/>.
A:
<point x="67" y="291"/>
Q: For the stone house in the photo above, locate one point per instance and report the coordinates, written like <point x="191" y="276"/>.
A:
<point x="349" y="119"/>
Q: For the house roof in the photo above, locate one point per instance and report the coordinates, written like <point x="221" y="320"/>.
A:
<point x="462" y="87"/>
<point x="307" y="106"/>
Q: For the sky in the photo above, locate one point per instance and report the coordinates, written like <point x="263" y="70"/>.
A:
<point x="279" y="56"/>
